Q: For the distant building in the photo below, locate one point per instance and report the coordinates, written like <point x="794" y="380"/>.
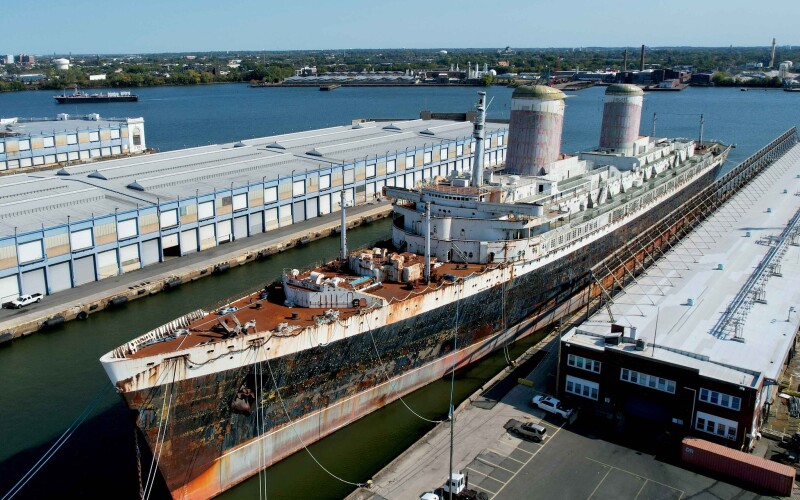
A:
<point x="704" y="79"/>
<point x="9" y="59"/>
<point x="306" y="71"/>
<point x="93" y="78"/>
<point x="27" y="60"/>
<point x="32" y="78"/>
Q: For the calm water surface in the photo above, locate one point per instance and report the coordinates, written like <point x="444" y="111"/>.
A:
<point x="47" y="379"/>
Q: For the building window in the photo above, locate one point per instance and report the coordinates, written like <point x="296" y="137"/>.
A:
<point x="427" y="157"/>
<point x="391" y="166"/>
<point x="459" y="150"/>
<point x="324" y="182"/>
<point x="583" y="363"/>
<point x="371" y="170"/>
<point x="718" y="426"/>
<point x="646" y="380"/>
<point x="443" y="154"/>
<point x="719" y="399"/>
<point x="583" y="388"/>
<point x="409" y="162"/>
<point x="137" y="137"/>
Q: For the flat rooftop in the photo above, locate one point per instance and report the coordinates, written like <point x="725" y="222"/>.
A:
<point x="49" y="126"/>
<point x="739" y="266"/>
<point x="30" y="201"/>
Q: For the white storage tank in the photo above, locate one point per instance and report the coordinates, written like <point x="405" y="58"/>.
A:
<point x="622" y="115"/>
<point x="61" y="64"/>
<point x="534" y="136"/>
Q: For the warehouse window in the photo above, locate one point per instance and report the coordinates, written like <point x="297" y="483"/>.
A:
<point x="324" y="181"/>
<point x="583" y="388"/>
<point x="137" y="137"/>
<point x="409" y="162"/>
<point x="427" y="157"/>
<point x="646" y="380"/>
<point x="443" y="154"/>
<point x="391" y="166"/>
<point x="720" y="399"/>
<point x="718" y="426"/>
<point x="583" y="363"/>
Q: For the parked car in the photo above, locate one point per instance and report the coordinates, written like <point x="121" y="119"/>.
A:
<point x="25" y="300"/>
<point x="527" y="430"/>
<point x="551" y="405"/>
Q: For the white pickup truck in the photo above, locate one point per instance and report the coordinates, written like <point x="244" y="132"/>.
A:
<point x="25" y="300"/>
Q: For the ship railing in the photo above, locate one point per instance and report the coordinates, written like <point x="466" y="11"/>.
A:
<point x="163" y="332"/>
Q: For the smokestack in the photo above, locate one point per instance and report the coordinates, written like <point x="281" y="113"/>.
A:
<point x="625" y="61"/>
<point x="641" y="60"/>
<point x="534" y="131"/>
<point x="772" y="57"/>
<point x="622" y="115"/>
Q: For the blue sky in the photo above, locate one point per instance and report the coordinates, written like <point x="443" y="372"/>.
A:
<point x="141" y="26"/>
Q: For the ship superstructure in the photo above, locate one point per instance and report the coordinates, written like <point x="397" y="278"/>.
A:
<point x="488" y="257"/>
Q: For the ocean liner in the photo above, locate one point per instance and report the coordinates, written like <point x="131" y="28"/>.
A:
<point x="220" y="395"/>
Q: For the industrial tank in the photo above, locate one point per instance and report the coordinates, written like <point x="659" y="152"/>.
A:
<point x="534" y="136"/>
<point x="622" y="114"/>
<point x="61" y="64"/>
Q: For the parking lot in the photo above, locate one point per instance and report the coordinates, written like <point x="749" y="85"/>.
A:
<point x="574" y="466"/>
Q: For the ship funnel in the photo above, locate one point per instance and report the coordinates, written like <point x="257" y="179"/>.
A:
<point x="534" y="136"/>
<point x="622" y="114"/>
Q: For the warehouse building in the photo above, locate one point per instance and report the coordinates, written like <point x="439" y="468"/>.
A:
<point x="60" y="229"/>
<point x="697" y="344"/>
<point x="41" y="142"/>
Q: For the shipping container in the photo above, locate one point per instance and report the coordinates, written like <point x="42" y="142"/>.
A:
<point x="757" y="471"/>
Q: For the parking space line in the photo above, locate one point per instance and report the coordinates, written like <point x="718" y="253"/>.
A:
<point x="486" y="462"/>
<point x="545" y="443"/>
<point x="601" y="482"/>
<point x="639" y="476"/>
<point x="484" y="489"/>
<point x="525" y="451"/>
<point x="641" y="489"/>
<point x="504" y="455"/>
<point x="476" y="471"/>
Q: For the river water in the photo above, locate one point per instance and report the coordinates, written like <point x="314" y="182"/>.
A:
<point x="47" y="379"/>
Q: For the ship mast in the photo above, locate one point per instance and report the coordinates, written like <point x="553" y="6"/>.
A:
<point x="427" y="243"/>
<point x="478" y="134"/>
<point x="344" y="227"/>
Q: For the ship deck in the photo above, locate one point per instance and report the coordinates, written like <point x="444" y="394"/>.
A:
<point x="270" y="312"/>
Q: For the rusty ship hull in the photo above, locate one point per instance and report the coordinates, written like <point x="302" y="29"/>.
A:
<point x="205" y="446"/>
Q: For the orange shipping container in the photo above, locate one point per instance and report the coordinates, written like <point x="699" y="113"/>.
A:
<point x="759" y="472"/>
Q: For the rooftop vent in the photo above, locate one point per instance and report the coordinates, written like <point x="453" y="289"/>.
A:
<point x="135" y="186"/>
<point x="391" y="126"/>
<point x="97" y="175"/>
<point x="275" y="145"/>
<point x="314" y="152"/>
<point x="62" y="171"/>
<point x="239" y="144"/>
<point x="357" y="125"/>
<point x="428" y="131"/>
